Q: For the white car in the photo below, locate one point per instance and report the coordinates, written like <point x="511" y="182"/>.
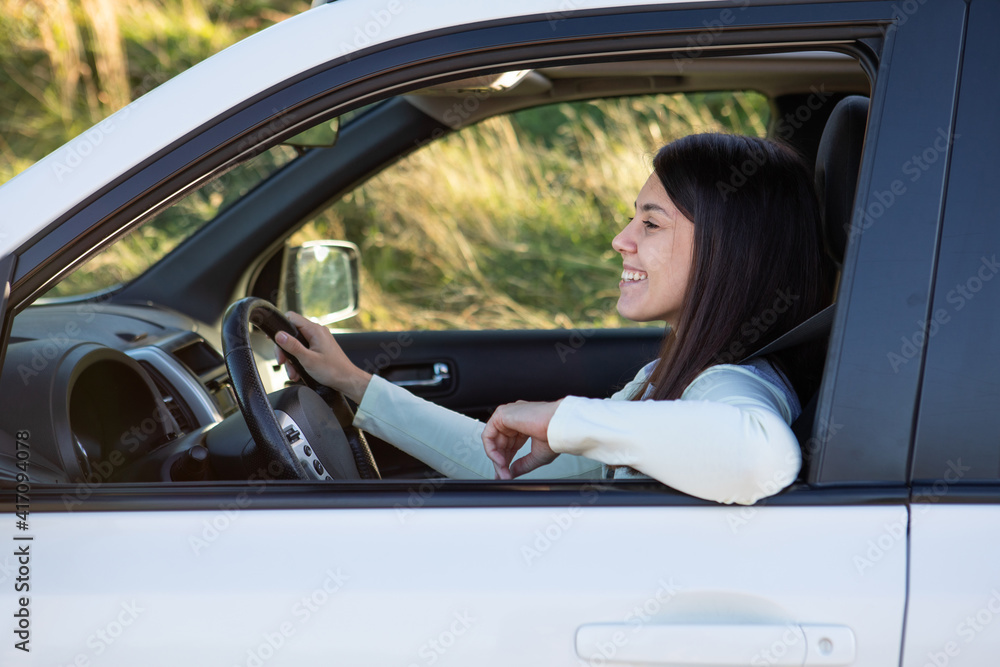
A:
<point x="146" y="525"/>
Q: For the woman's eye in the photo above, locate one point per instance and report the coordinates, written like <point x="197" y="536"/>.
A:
<point x="648" y="224"/>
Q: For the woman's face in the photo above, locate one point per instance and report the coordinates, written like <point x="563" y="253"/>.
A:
<point x="657" y="249"/>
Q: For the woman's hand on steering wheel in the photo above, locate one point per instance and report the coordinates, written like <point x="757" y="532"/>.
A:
<point x="324" y="359"/>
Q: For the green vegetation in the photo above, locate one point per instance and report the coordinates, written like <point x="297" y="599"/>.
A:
<point x="503" y="225"/>
<point x="68" y="64"/>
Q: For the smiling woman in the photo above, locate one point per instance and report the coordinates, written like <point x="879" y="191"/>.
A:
<point x="691" y="419"/>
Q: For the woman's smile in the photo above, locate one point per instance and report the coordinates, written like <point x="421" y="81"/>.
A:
<point x="656" y="248"/>
<point x="630" y="275"/>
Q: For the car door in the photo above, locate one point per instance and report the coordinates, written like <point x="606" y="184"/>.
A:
<point x="447" y="572"/>
<point x="954" y="598"/>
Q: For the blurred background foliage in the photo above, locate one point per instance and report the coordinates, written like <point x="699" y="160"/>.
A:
<point x="507" y="224"/>
<point x="68" y="64"/>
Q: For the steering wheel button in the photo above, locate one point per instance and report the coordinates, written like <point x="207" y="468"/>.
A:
<point x="307" y="450"/>
<point x="318" y="467"/>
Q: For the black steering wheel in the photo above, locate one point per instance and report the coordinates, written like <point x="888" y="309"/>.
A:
<point x="272" y="443"/>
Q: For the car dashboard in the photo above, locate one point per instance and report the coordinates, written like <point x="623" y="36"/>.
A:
<point x="111" y="392"/>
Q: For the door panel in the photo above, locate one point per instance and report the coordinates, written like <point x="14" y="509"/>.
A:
<point x="953" y="616"/>
<point x="489" y="368"/>
<point x="457" y="586"/>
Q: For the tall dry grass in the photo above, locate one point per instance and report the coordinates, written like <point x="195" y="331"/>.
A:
<point x="68" y="64"/>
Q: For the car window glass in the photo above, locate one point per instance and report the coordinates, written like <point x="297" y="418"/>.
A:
<point x="148" y="243"/>
<point x="508" y="224"/>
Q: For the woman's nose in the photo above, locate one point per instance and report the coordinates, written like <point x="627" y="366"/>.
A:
<point x="623" y="242"/>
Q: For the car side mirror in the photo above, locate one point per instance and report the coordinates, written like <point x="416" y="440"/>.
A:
<point x="319" y="279"/>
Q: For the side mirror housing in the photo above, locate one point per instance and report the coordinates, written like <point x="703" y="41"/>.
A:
<point x="319" y="279"/>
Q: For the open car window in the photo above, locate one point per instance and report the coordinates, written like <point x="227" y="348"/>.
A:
<point x="486" y="268"/>
<point x="507" y="224"/>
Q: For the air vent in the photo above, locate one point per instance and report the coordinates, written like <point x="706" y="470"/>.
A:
<point x="178" y="408"/>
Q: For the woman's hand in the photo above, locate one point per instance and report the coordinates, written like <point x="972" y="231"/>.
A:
<point x="323" y="359"/>
<point x="510" y="427"/>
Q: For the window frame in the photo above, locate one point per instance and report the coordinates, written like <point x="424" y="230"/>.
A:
<point x="343" y="84"/>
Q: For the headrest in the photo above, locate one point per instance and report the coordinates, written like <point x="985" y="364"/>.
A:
<point x="838" y="161"/>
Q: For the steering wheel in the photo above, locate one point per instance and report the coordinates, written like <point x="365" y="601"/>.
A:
<point x="286" y="441"/>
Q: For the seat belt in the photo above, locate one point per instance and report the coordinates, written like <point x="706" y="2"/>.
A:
<point x="811" y="329"/>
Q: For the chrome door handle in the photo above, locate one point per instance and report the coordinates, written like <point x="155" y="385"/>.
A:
<point x="440" y="373"/>
<point x="692" y="645"/>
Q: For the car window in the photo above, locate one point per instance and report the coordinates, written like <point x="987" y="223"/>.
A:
<point x="508" y="224"/>
<point x="145" y="245"/>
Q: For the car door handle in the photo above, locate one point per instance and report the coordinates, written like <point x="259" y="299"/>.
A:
<point x="440" y="374"/>
<point x="717" y="645"/>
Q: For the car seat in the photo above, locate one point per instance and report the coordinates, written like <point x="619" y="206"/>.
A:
<point x="838" y="161"/>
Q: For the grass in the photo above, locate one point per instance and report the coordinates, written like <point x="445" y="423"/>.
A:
<point x="68" y="64"/>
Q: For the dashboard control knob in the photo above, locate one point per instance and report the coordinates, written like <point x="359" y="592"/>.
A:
<point x="191" y="466"/>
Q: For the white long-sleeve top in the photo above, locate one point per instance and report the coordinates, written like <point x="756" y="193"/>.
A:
<point x="726" y="439"/>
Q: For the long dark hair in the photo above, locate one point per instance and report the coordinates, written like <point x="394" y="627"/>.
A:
<point x="759" y="268"/>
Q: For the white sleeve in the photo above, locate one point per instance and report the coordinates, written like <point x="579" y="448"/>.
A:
<point x="447" y="441"/>
<point x="727" y="439"/>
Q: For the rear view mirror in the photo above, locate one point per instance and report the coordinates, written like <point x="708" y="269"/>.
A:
<point x="320" y="280"/>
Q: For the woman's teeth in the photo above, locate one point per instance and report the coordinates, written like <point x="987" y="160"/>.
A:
<point x="632" y="276"/>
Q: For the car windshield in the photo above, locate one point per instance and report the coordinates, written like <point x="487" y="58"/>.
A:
<point x="147" y="244"/>
<point x="150" y="242"/>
